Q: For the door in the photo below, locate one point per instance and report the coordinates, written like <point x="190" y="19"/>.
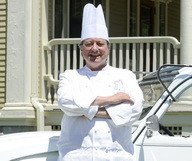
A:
<point x="160" y="146"/>
<point x="147" y="13"/>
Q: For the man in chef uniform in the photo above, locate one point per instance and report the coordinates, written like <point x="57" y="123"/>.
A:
<point x="100" y="102"/>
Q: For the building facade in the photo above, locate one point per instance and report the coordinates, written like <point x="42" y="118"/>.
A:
<point x="27" y="26"/>
<point x="3" y="40"/>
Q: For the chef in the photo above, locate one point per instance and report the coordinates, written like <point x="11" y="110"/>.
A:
<point x="100" y="102"/>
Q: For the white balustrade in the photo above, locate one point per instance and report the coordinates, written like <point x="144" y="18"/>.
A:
<point x="139" y="54"/>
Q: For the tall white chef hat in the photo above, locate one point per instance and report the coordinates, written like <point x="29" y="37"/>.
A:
<point x="93" y="24"/>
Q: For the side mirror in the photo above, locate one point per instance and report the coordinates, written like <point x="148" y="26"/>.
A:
<point x="152" y="125"/>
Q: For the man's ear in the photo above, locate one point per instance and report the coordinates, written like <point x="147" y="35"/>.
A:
<point x="82" y="54"/>
<point x="80" y="47"/>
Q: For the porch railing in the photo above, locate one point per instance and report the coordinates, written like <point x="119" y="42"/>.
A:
<point x="139" y="54"/>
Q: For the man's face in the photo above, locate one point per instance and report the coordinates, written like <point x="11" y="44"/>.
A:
<point x="95" y="52"/>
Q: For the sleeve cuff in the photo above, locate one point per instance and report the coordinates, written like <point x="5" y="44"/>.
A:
<point x="91" y="112"/>
<point x="120" y="114"/>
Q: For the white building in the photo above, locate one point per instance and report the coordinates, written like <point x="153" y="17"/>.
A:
<point x="30" y="65"/>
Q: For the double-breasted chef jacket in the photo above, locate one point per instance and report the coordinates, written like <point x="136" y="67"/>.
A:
<point x="88" y="138"/>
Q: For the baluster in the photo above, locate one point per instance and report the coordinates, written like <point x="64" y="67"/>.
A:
<point x="134" y="64"/>
<point x="68" y="57"/>
<point x="49" y="62"/>
<point x="168" y="53"/>
<point x="141" y="59"/>
<point x="49" y="93"/>
<point x="62" y="59"/>
<point x="148" y="57"/>
<point x="55" y="94"/>
<point x="127" y="62"/>
<point x="109" y="57"/>
<point x="161" y="55"/>
<point x="114" y="52"/>
<point x="175" y="57"/>
<point x="55" y="55"/>
<point x="74" y="56"/>
<point x="80" y="61"/>
<point x="154" y="57"/>
<point x="121" y="55"/>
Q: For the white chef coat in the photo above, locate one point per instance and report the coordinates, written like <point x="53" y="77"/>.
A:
<point x="85" y="137"/>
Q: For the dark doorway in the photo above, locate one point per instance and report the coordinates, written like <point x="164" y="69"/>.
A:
<point x="147" y="13"/>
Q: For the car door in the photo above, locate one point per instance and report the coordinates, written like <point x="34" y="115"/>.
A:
<point x="165" y="148"/>
<point x="156" y="145"/>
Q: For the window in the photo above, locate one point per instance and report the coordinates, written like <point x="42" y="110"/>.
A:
<point x="65" y="17"/>
<point x="162" y="19"/>
<point x="133" y="18"/>
<point x="118" y="18"/>
<point x="123" y="17"/>
<point x="147" y="9"/>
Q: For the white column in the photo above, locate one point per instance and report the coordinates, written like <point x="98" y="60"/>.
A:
<point x="19" y="65"/>
<point x="44" y="39"/>
<point x="186" y="38"/>
<point x="36" y="53"/>
<point x="186" y="31"/>
<point x="18" y="51"/>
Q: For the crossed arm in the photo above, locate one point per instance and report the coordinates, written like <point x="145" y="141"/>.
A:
<point x="117" y="98"/>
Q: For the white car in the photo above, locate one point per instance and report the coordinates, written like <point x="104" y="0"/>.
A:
<point x="152" y="141"/>
<point x="149" y="144"/>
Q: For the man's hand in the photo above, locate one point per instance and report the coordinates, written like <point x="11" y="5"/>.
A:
<point x="115" y="99"/>
<point x="102" y="113"/>
<point x="120" y="97"/>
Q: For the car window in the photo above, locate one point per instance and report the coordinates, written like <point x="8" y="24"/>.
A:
<point x="178" y="119"/>
<point x="153" y="89"/>
<point x="151" y="92"/>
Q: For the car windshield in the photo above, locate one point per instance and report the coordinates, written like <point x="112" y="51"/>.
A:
<point x="153" y="89"/>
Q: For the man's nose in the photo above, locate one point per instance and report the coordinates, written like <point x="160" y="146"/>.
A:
<point x="95" y="47"/>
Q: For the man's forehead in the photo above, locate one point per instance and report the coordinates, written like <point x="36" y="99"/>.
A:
<point x="94" y="39"/>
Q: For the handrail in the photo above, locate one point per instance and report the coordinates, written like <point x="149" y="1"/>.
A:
<point x="146" y="39"/>
<point x="39" y="114"/>
<point x="66" y="41"/>
<point x="50" y="79"/>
